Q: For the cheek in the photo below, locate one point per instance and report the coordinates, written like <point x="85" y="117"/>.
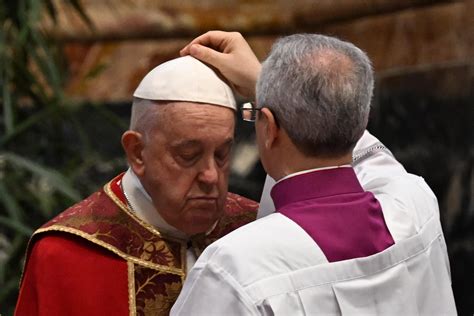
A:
<point x="178" y="187"/>
<point x="169" y="184"/>
<point x="168" y="171"/>
<point x="224" y="176"/>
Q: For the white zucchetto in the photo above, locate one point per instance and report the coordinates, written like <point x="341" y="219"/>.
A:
<point x="185" y="79"/>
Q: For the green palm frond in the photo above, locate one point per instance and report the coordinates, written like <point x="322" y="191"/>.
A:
<point x="44" y="147"/>
<point x="51" y="177"/>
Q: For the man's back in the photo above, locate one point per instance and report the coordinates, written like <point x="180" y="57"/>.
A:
<point x="273" y="266"/>
<point x="312" y="105"/>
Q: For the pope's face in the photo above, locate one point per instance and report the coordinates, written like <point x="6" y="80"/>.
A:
<point x="186" y="164"/>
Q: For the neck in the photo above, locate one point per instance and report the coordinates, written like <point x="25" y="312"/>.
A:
<point x="296" y="162"/>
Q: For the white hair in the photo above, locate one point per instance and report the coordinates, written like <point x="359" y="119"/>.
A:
<point x="145" y="116"/>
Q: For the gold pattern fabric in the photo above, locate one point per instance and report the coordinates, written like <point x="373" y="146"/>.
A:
<point x="156" y="263"/>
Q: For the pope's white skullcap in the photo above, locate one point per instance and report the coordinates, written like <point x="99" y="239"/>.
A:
<point x="185" y="79"/>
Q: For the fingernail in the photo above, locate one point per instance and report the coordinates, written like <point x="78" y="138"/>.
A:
<point x="194" y="50"/>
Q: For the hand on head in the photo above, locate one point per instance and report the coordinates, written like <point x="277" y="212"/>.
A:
<point x="229" y="53"/>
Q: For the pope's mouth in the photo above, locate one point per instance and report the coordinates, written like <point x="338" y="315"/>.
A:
<point x="202" y="198"/>
<point x="202" y="202"/>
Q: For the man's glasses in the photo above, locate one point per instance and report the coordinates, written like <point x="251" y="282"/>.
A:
<point x="249" y="112"/>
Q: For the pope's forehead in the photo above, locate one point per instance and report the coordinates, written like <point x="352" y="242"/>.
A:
<point x="176" y="116"/>
<point x="180" y="121"/>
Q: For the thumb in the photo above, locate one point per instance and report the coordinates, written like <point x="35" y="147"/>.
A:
<point x="206" y="54"/>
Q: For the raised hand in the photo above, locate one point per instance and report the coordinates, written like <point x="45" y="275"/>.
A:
<point x="231" y="55"/>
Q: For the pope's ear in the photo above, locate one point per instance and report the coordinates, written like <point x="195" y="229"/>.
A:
<point x="133" y="144"/>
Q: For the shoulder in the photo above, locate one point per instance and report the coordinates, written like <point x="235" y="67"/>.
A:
<point x="58" y="248"/>
<point x="65" y="275"/>
<point x="410" y="192"/>
<point x="407" y="204"/>
<point x="238" y="211"/>
<point x="64" y="260"/>
<point x="269" y="246"/>
<point x="237" y="204"/>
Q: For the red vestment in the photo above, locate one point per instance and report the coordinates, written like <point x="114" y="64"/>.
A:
<point x="99" y="258"/>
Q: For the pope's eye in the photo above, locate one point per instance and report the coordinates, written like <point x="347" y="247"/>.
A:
<point x="188" y="156"/>
<point x="223" y="154"/>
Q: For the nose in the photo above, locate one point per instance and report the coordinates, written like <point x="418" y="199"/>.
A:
<point x="209" y="173"/>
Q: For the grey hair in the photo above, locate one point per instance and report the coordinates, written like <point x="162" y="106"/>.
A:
<point x="144" y="114"/>
<point x="319" y="89"/>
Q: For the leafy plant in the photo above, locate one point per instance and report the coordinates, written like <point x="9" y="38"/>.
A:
<point x="47" y="157"/>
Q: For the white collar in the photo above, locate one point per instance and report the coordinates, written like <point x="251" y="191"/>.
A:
<point x="141" y="203"/>
<point x="311" y="170"/>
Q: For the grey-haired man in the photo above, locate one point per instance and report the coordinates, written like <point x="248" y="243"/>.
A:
<point x="331" y="247"/>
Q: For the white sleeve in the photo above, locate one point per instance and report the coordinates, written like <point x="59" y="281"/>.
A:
<point x="407" y="201"/>
<point x="373" y="164"/>
<point x="211" y="290"/>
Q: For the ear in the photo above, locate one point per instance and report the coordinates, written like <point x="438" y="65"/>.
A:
<point x="270" y="127"/>
<point x="133" y="145"/>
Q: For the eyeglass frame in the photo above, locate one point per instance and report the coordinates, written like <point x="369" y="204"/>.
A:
<point x="249" y="107"/>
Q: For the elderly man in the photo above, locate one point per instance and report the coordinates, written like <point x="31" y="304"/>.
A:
<point x="126" y="249"/>
<point x="331" y="247"/>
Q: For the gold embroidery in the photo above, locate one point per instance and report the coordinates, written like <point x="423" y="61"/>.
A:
<point x="131" y="288"/>
<point x="155" y="291"/>
<point x="156" y="265"/>
<point x="127" y="210"/>
<point x="161" y="304"/>
<point x="172" y="270"/>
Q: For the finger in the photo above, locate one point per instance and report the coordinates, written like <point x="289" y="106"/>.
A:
<point x="206" y="54"/>
<point x="184" y="51"/>
<point x="213" y="39"/>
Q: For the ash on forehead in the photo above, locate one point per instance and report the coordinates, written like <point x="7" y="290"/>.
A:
<point x="185" y="79"/>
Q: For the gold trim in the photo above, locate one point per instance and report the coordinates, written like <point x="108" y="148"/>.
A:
<point x="127" y="210"/>
<point x="127" y="257"/>
<point x="131" y="289"/>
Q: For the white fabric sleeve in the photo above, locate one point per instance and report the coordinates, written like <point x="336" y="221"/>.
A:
<point x="374" y="164"/>
<point x="210" y="290"/>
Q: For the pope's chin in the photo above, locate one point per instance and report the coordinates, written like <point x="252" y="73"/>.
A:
<point x="201" y="216"/>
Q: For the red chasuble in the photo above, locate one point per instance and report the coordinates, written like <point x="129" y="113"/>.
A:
<point x="99" y="258"/>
